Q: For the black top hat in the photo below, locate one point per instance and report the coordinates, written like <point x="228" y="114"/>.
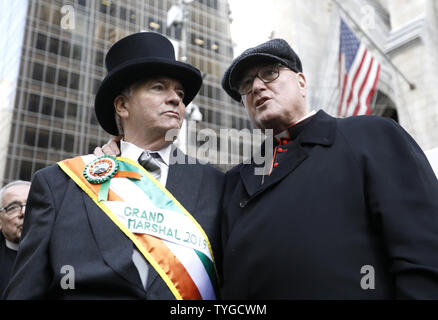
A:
<point x="136" y="57"/>
<point x="275" y="50"/>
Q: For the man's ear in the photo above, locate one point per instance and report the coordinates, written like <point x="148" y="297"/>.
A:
<point x="120" y="106"/>
<point x="243" y="101"/>
<point x="302" y="84"/>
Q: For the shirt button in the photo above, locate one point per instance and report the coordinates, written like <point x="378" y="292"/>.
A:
<point x="243" y="203"/>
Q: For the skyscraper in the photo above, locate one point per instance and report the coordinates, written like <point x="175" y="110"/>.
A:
<point x="59" y="63"/>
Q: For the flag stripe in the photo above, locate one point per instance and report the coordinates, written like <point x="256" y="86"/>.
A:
<point x="359" y="96"/>
<point x="373" y="90"/>
<point x="360" y="72"/>
<point x="355" y="91"/>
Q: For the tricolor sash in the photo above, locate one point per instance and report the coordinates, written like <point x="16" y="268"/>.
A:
<point x="166" y="234"/>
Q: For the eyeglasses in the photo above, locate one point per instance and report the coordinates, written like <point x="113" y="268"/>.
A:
<point x="266" y="74"/>
<point x="13" y="208"/>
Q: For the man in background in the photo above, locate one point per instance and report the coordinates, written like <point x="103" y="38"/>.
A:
<point x="13" y="197"/>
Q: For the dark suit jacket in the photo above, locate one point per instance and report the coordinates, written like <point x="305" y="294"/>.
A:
<point x="7" y="258"/>
<point x="64" y="227"/>
<point x="347" y="194"/>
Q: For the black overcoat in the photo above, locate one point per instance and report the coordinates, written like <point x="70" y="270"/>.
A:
<point x="350" y="212"/>
<point x="64" y="227"/>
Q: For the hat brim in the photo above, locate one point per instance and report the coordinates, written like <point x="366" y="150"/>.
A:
<point x="236" y="69"/>
<point x="129" y="73"/>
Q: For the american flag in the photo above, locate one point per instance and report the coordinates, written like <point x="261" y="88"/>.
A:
<point x="358" y="75"/>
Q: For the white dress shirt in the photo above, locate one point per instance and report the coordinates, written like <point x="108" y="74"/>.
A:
<point x="131" y="151"/>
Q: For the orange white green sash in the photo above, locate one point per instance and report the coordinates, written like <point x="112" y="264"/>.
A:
<point x="165" y="233"/>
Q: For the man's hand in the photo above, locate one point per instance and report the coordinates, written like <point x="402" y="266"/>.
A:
<point x="110" y="148"/>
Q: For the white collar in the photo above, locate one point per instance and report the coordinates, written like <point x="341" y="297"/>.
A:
<point x="131" y="151"/>
<point x="11" y="245"/>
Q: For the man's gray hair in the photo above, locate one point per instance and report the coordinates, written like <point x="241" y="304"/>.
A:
<point x="127" y="92"/>
<point x="11" y="184"/>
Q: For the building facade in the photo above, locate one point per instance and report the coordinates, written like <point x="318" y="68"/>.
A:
<point x="402" y="36"/>
<point x="60" y="63"/>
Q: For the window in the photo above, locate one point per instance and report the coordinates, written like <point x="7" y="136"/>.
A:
<point x="68" y="143"/>
<point x="155" y="24"/>
<point x="174" y="31"/>
<point x="210" y="3"/>
<point x="50" y="75"/>
<point x="104" y="6"/>
<point x="198" y="41"/>
<point x="33" y="103"/>
<point x="29" y="137"/>
<point x="59" y="108"/>
<point x="132" y="16"/>
<point x="56" y="142"/>
<point x="43" y="139"/>
<point x="96" y="84"/>
<point x="113" y="10"/>
<point x="77" y="52"/>
<point x="123" y="13"/>
<point x="37" y="73"/>
<point x="212" y="45"/>
<point x="53" y="46"/>
<point x="74" y="81"/>
<point x="72" y="110"/>
<point x="47" y="106"/>
<point x="93" y="119"/>
<point x="41" y="41"/>
<point x="63" y="78"/>
<point x="65" y="48"/>
<point x="99" y="59"/>
<point x="25" y="171"/>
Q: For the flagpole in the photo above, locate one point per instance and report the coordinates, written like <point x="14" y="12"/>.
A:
<point x="411" y="85"/>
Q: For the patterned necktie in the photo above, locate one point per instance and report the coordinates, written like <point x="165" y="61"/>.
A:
<point x="148" y="162"/>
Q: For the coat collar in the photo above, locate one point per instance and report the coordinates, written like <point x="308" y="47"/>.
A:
<point x="319" y="131"/>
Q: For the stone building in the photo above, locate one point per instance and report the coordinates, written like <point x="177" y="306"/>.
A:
<point x="403" y="37"/>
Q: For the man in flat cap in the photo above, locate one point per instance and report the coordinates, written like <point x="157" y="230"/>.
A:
<point x="348" y="208"/>
<point x="135" y="226"/>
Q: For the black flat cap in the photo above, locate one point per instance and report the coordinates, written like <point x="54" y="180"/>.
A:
<point x="275" y="50"/>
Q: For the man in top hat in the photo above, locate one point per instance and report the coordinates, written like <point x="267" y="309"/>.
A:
<point x="347" y="209"/>
<point x="136" y="226"/>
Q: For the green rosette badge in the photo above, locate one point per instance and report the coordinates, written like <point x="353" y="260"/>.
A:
<point x="100" y="171"/>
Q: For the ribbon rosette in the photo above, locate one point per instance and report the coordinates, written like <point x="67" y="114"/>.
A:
<point x="102" y="170"/>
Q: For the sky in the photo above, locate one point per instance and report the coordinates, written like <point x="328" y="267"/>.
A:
<point x="252" y="23"/>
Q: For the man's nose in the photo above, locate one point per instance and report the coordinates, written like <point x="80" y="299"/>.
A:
<point x="258" y="85"/>
<point x="174" y="98"/>
<point x="23" y="208"/>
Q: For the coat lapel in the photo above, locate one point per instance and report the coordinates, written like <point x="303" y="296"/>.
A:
<point x="115" y="246"/>
<point x="318" y="131"/>
<point x="291" y="160"/>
